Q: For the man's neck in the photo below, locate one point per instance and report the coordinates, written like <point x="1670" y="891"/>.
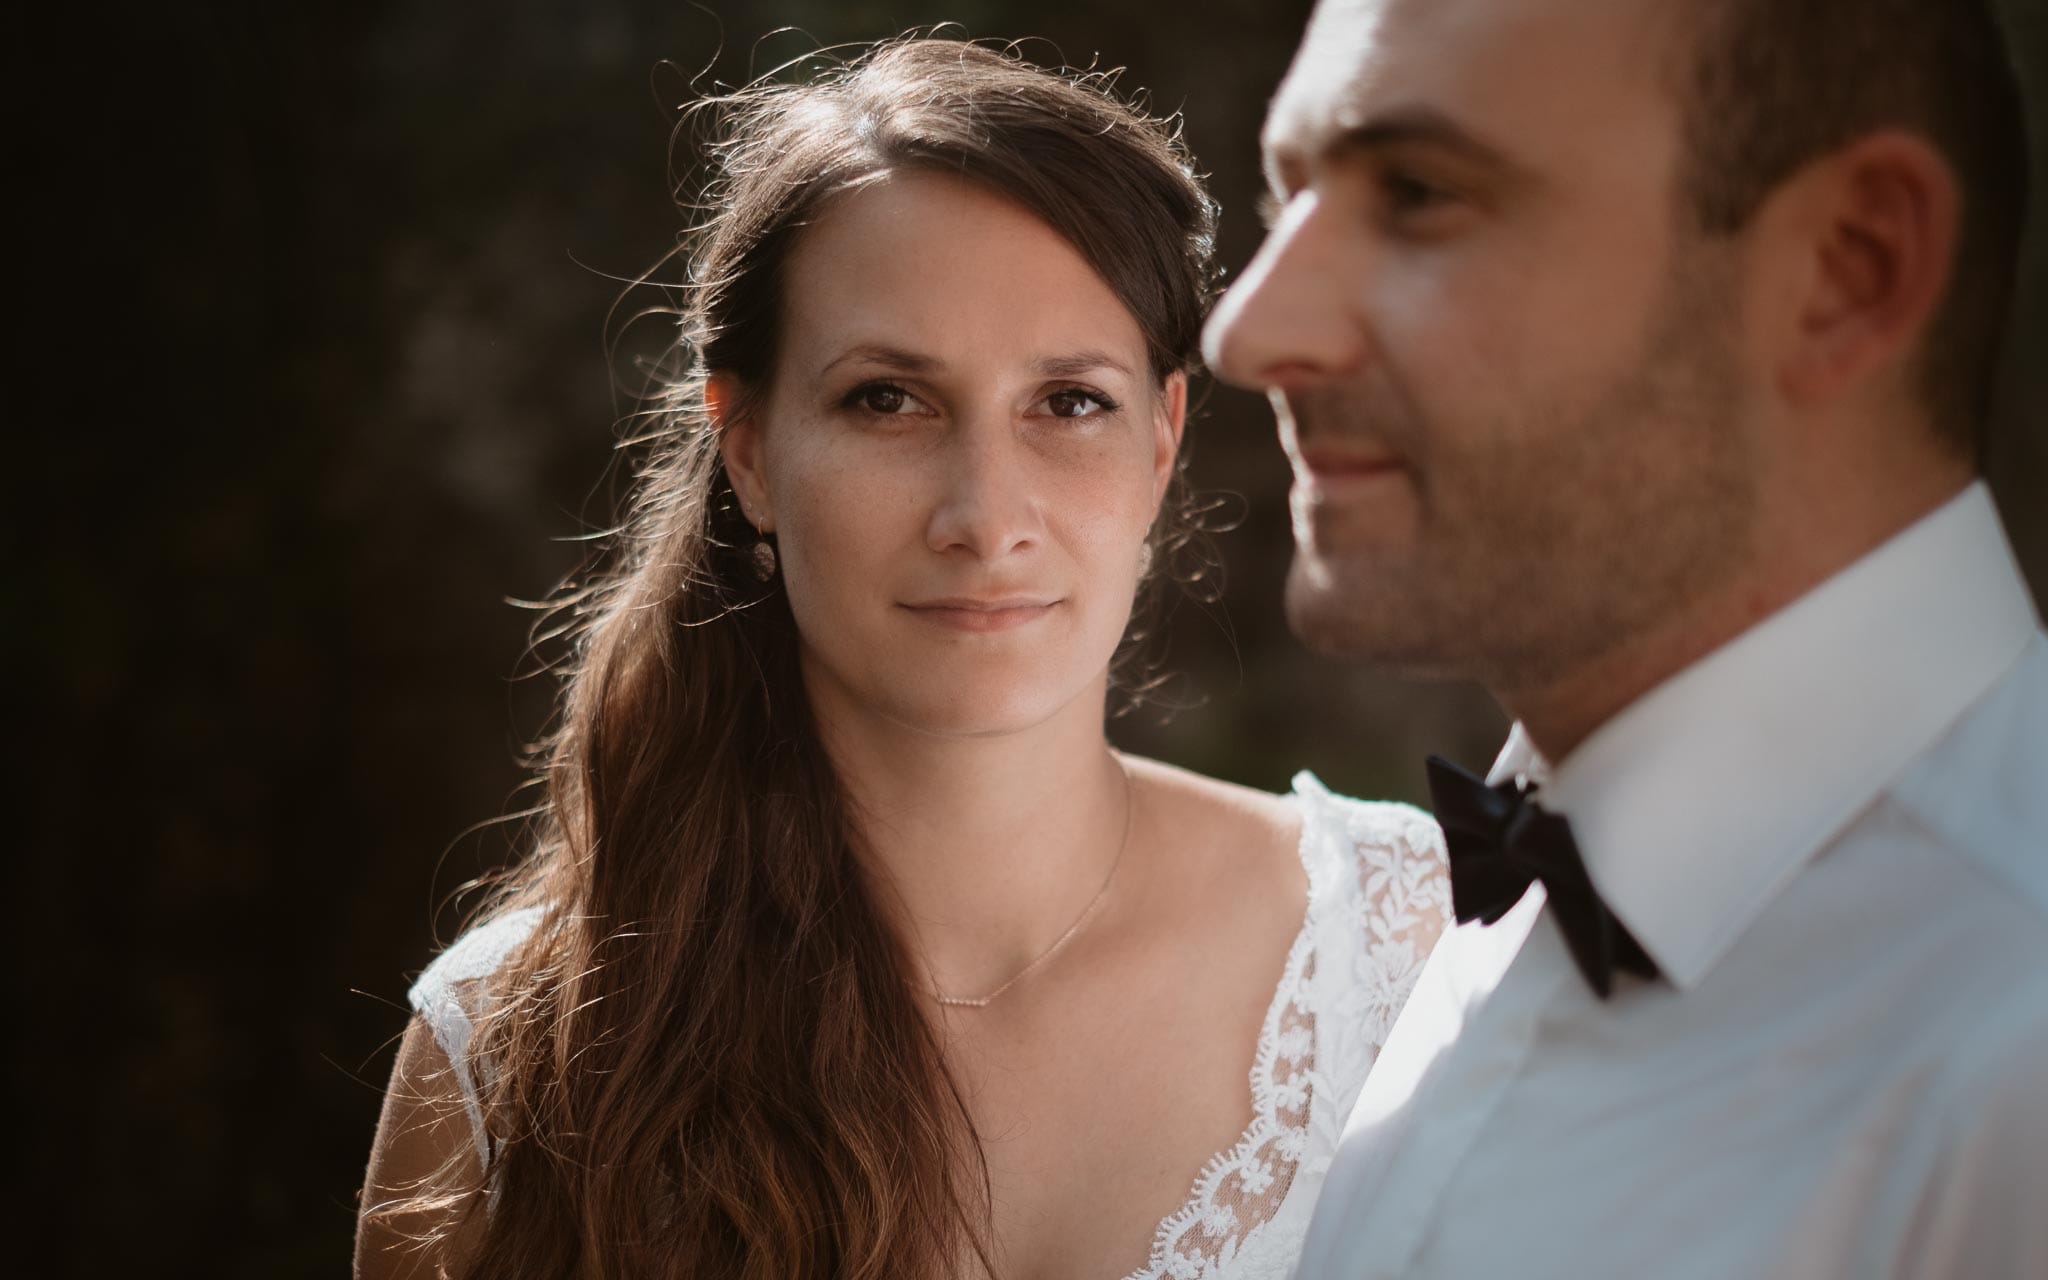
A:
<point x="1786" y="563"/>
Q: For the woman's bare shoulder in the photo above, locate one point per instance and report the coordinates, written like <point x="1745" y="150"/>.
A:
<point x="423" y="1169"/>
<point x="1209" y="797"/>
<point x="1195" y="813"/>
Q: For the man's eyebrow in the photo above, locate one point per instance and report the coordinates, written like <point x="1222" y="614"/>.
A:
<point x="895" y="358"/>
<point x="1403" y="127"/>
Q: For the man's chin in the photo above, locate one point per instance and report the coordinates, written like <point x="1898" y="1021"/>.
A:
<point x="1348" y="611"/>
<point x="1333" y="612"/>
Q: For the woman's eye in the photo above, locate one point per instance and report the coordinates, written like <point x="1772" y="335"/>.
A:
<point x="882" y="398"/>
<point x="1076" y="403"/>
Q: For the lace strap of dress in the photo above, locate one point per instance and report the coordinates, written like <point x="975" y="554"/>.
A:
<point x="1376" y="898"/>
<point x="1401" y="900"/>
<point x="1241" y="1188"/>
<point x="442" y="997"/>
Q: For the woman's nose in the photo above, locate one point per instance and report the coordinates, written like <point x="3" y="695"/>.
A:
<point x="988" y="502"/>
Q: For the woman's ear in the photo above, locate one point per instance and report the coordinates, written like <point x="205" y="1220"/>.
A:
<point x="1172" y="421"/>
<point x="739" y="443"/>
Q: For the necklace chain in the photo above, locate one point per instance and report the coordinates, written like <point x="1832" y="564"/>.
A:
<point x="1059" y="943"/>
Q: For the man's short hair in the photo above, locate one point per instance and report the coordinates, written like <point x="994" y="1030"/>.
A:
<point x="1771" y="85"/>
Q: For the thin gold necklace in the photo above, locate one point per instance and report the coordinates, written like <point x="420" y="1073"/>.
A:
<point x="1059" y="943"/>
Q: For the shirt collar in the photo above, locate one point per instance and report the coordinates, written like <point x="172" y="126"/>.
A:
<point x="1701" y="800"/>
<point x="1519" y="761"/>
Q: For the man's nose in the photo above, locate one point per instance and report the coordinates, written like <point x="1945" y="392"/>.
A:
<point x="987" y="504"/>
<point x="1292" y="318"/>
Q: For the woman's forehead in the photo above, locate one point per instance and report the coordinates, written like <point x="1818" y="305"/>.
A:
<point x="937" y="268"/>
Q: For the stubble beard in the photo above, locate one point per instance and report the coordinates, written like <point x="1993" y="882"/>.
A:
<point x="1541" y="548"/>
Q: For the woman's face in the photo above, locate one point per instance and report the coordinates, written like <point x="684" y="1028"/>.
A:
<point x="960" y="456"/>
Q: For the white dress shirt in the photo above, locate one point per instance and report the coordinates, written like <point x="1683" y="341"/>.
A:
<point x="1832" y="836"/>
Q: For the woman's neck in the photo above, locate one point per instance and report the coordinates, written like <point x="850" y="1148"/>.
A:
<point x="985" y="849"/>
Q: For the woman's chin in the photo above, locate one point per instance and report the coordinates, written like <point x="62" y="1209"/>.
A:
<point x="988" y="708"/>
<point x="988" y="694"/>
<point x="962" y="717"/>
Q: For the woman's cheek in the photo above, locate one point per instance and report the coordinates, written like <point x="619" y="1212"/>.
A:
<point x="834" y="488"/>
<point x="1109" y="491"/>
<point x="841" y="535"/>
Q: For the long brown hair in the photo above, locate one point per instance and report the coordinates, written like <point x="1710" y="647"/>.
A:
<point x="708" y="1060"/>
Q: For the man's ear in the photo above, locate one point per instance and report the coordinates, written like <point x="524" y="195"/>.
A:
<point x="739" y="443"/>
<point x="1872" y="232"/>
<point x="1166" y="436"/>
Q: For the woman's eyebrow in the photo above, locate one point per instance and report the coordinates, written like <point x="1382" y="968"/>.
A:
<point x="1077" y="363"/>
<point x="1068" y="365"/>
<point x="895" y="358"/>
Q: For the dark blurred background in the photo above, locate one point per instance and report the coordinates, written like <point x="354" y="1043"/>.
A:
<point x="324" y="289"/>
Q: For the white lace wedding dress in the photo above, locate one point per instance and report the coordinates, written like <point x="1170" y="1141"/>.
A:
<point x="1378" y="895"/>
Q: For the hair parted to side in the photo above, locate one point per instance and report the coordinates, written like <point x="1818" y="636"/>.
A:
<point x="708" y="1061"/>
<point x="1770" y="85"/>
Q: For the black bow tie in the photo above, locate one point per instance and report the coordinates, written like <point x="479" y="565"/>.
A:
<point x="1501" y="841"/>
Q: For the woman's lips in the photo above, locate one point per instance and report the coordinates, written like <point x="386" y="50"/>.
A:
<point x="963" y="613"/>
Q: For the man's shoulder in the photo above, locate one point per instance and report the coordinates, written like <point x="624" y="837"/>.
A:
<point x="1988" y="1092"/>
<point x="1982" y="790"/>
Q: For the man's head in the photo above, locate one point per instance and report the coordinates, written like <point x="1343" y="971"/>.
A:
<point x="1578" y="312"/>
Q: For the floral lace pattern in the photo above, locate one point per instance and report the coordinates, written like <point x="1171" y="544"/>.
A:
<point x="1378" y="896"/>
